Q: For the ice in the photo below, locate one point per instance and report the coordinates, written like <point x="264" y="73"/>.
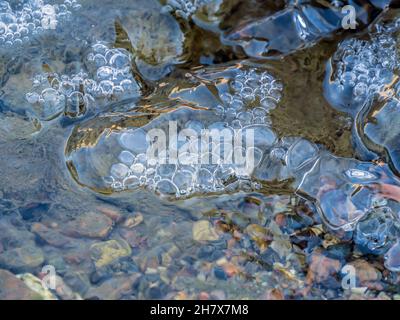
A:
<point x="297" y="26"/>
<point x="135" y="141"/>
<point x="377" y="231"/>
<point x="126" y="157"/>
<point x="77" y="94"/>
<point x="392" y="261"/>
<point x="285" y="159"/>
<point x="362" y="80"/>
<point x="359" y="69"/>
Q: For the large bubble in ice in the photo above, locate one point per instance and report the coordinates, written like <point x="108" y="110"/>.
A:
<point x="377" y="126"/>
<point x="289" y="158"/>
<point x="299" y="25"/>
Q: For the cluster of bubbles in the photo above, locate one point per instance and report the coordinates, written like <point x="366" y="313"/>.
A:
<point x="209" y="174"/>
<point x="29" y="18"/>
<point x="361" y="69"/>
<point x="254" y="95"/>
<point x="108" y="77"/>
<point x="215" y="168"/>
<point x="212" y="173"/>
<point x="185" y="8"/>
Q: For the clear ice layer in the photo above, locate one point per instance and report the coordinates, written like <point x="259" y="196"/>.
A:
<point x="210" y="158"/>
<point x="360" y="69"/>
<point x="297" y="26"/>
<point x="362" y="80"/>
<point x="345" y="190"/>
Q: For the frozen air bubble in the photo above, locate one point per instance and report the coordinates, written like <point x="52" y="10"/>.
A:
<point x="119" y="171"/>
<point x="131" y="182"/>
<point x="183" y="180"/>
<point x="134" y="141"/>
<point x="166" y="187"/>
<point x="109" y="82"/>
<point x="360" y="175"/>
<point x="126" y="157"/>
<point x="137" y="168"/>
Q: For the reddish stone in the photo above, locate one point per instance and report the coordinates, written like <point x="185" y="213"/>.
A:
<point x="204" y="296"/>
<point x="12" y="288"/>
<point x="50" y="236"/>
<point x="114" y="288"/>
<point x="274" y="294"/>
<point x="366" y="273"/>
<point x="88" y="224"/>
<point x="112" y="212"/>
<point x="280" y="219"/>
<point x="321" y="268"/>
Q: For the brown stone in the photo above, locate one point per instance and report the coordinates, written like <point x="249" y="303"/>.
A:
<point x="321" y="268"/>
<point x="274" y="294"/>
<point x="204" y="296"/>
<point x="366" y="273"/>
<point x="88" y="224"/>
<point x="133" y="220"/>
<point x="50" y="236"/>
<point x="12" y="288"/>
<point x="112" y="212"/>
<point x="113" y="289"/>
<point x="106" y="252"/>
<point x="22" y="259"/>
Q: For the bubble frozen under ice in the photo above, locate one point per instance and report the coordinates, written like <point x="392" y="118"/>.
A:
<point x="31" y="18"/>
<point x="98" y="85"/>
<point x="359" y="69"/>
